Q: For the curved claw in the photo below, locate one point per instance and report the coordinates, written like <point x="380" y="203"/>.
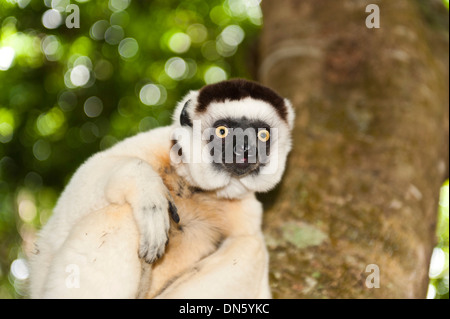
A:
<point x="174" y="212"/>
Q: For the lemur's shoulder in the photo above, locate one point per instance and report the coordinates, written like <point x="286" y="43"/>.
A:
<point x="145" y="145"/>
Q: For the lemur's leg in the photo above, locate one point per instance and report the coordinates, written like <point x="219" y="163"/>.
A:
<point x="238" y="269"/>
<point x="98" y="259"/>
<point x="41" y="257"/>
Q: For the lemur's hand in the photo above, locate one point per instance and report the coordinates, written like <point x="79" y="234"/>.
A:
<point x="138" y="184"/>
<point x="152" y="212"/>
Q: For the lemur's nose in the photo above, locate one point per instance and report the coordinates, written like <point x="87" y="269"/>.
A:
<point x="241" y="149"/>
<point x="245" y="151"/>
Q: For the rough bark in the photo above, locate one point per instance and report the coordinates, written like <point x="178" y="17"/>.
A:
<point x="371" y="146"/>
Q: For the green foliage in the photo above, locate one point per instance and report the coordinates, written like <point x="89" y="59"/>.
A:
<point x="439" y="269"/>
<point x="446" y="3"/>
<point x="68" y="93"/>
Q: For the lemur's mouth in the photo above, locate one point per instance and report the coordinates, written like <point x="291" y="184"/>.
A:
<point x="241" y="169"/>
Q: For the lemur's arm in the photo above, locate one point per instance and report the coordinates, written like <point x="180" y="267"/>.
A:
<point x="96" y="242"/>
<point x="100" y="182"/>
<point x="136" y="183"/>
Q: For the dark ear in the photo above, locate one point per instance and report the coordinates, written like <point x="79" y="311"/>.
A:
<point x="185" y="120"/>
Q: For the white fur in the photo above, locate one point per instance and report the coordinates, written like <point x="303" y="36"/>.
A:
<point x="116" y="176"/>
<point x="237" y="270"/>
<point x="110" y="268"/>
<point x="204" y="175"/>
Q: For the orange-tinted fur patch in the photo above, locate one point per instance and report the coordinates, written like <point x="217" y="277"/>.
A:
<point x="204" y="223"/>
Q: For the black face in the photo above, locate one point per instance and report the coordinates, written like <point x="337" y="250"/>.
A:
<point x="240" y="146"/>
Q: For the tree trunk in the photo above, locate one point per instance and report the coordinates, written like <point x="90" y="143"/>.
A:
<point x="371" y="146"/>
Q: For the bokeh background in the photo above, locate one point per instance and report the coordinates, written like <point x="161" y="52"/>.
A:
<point x="66" y="93"/>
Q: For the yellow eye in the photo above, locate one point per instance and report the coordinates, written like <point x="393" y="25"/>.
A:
<point x="222" y="132"/>
<point x="263" y="135"/>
